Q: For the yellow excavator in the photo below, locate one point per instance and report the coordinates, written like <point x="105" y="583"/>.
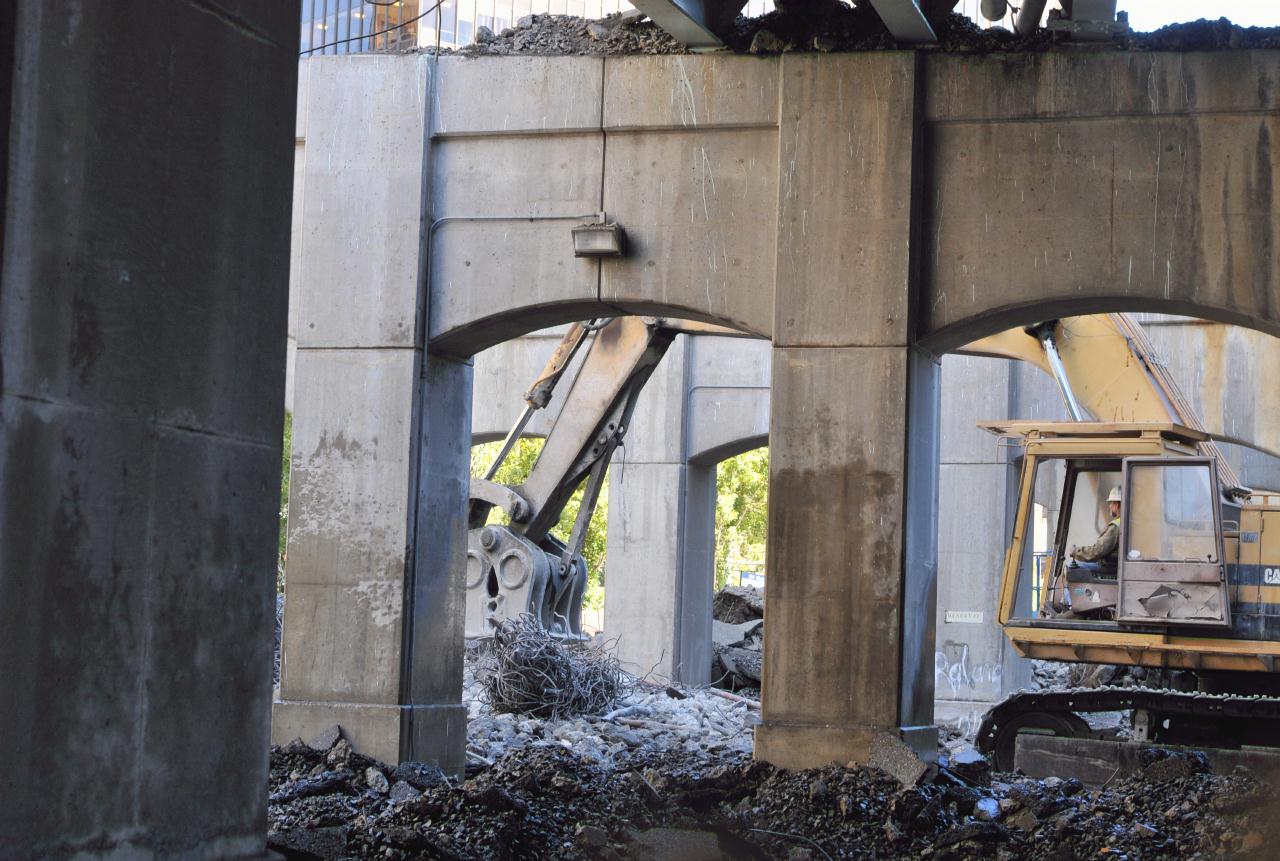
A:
<point x="1191" y="584"/>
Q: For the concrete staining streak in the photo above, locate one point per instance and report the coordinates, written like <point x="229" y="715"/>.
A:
<point x="683" y="94"/>
<point x="382" y="599"/>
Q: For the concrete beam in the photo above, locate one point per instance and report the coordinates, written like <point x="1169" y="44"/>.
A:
<point x="695" y="23"/>
<point x="905" y="20"/>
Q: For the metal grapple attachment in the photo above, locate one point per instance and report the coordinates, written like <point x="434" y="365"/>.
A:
<point x="508" y="576"/>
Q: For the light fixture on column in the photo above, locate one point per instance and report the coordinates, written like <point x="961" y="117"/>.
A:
<point x="601" y="239"/>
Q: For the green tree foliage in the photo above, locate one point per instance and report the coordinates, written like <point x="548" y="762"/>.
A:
<point x="284" y="499"/>
<point x="514" y="470"/>
<point x="742" y="514"/>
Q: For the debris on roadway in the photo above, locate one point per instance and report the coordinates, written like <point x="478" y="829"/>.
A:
<point x="667" y="774"/>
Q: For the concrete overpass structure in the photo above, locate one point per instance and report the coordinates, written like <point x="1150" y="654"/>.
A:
<point x="864" y="213"/>
<point x="833" y="204"/>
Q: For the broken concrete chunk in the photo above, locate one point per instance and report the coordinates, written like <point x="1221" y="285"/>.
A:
<point x="596" y="30"/>
<point x="746" y="664"/>
<point x="418" y="774"/>
<point x="737" y="604"/>
<point x="326" y="739"/>
<point x="765" y="42"/>
<point x="987" y="810"/>
<point x="322" y="784"/>
<point x="484" y="35"/>
<point x="725" y="634"/>
<point x="971" y="765"/>
<point x="402" y="791"/>
<point x="894" y="757"/>
<point x="377" y="780"/>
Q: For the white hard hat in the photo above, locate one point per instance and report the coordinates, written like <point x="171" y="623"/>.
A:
<point x="1114" y="496"/>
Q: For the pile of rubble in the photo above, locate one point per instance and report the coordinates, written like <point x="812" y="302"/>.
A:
<point x="666" y="773"/>
<point x="737" y="638"/>
<point x="695" y="722"/>
<point x="551" y="798"/>
<point x="559" y="35"/>
<point x="824" y="26"/>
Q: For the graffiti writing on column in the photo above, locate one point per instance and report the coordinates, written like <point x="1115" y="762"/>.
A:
<point x="954" y="674"/>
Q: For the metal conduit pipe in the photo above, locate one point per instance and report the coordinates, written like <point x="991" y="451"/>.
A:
<point x="1028" y="20"/>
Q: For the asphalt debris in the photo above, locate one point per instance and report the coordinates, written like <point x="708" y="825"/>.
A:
<point x="547" y="801"/>
<point x="667" y="775"/>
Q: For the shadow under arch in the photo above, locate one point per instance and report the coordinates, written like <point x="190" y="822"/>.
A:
<point x="466" y="340"/>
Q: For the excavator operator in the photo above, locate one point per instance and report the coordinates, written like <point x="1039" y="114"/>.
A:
<point x="1103" y="555"/>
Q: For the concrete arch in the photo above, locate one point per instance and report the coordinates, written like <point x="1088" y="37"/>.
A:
<point x="731" y="449"/>
<point x="950" y="337"/>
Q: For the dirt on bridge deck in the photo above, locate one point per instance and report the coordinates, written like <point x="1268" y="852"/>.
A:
<point x="835" y="27"/>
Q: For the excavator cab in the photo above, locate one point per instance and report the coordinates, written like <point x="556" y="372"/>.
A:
<point x="1169" y="569"/>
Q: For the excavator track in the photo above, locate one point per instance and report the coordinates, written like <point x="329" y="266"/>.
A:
<point x="1057" y="713"/>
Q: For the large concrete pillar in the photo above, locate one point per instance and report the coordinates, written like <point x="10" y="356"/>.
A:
<point x="372" y="625"/>
<point x="853" y="434"/>
<point x="661" y="535"/>
<point x="142" y="348"/>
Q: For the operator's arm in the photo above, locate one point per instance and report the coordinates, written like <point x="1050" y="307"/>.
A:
<point x="1102" y="548"/>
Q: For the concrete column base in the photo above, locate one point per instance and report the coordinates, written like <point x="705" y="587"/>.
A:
<point x="797" y="746"/>
<point x="379" y="731"/>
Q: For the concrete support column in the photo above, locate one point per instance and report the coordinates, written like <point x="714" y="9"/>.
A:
<point x="974" y="665"/>
<point x="849" y="602"/>
<point x="142" y="346"/>
<point x="372" y="626"/>
<point x="661" y="536"/>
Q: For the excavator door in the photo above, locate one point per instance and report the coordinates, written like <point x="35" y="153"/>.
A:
<point x="1171" y="565"/>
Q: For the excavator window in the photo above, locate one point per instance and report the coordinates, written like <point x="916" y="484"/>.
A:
<point x="1172" y="516"/>
<point x="1069" y="510"/>
<point x="1171" y="567"/>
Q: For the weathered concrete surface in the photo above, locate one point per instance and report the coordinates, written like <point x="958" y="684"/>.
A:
<point x="1182" y="182"/>
<point x="142" y="332"/>
<point x="372" y="634"/>
<point x="1107" y="181"/>
<point x="846" y="455"/>
<point x="841" y="431"/>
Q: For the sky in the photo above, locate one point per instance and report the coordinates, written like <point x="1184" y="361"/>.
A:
<point x="1148" y="15"/>
<point x="1145" y="15"/>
